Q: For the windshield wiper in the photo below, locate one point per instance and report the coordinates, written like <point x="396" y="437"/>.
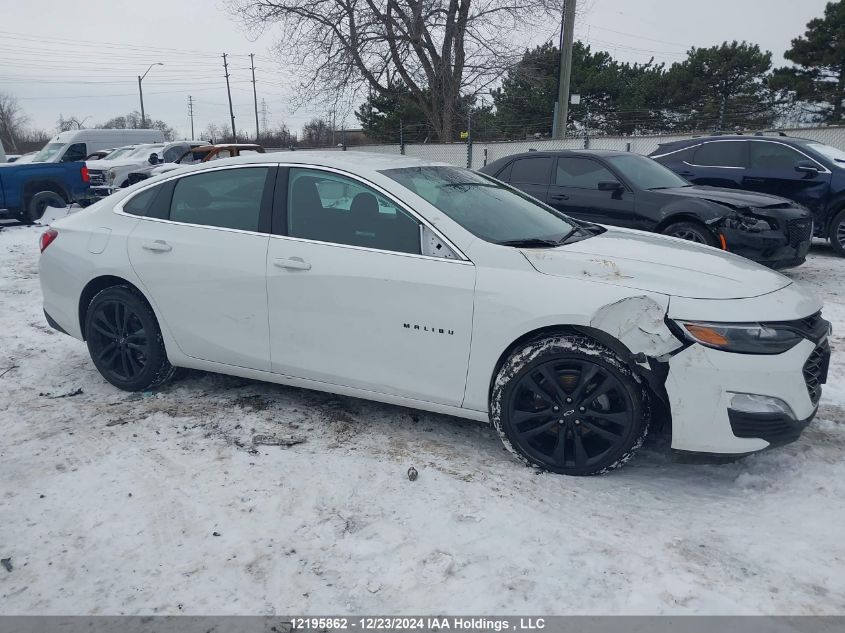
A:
<point x="466" y="184"/>
<point x="530" y="242"/>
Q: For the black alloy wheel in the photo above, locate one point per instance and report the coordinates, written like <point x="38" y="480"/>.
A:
<point x="571" y="414"/>
<point x="692" y="232"/>
<point x="568" y="404"/>
<point x="124" y="340"/>
<point x="837" y="233"/>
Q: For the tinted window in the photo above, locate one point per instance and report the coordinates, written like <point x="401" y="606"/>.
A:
<point x="644" y="173"/>
<point x="721" y="154"/>
<point x="75" y="152"/>
<point x="229" y="198"/>
<point x="582" y="173"/>
<point x="171" y="154"/>
<point x="331" y="208"/>
<point x="533" y="171"/>
<point x="773" y="156"/>
<point x="484" y="207"/>
<point x="138" y="204"/>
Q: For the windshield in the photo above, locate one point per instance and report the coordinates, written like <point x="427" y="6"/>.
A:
<point x="145" y="150"/>
<point x="831" y="153"/>
<point x="120" y="151"/>
<point x="645" y="173"/>
<point x="47" y="152"/>
<point x="483" y="206"/>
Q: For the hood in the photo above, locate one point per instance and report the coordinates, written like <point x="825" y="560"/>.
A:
<point x="105" y="165"/>
<point x="657" y="263"/>
<point x="730" y="197"/>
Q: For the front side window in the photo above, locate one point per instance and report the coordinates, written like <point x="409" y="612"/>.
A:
<point x="228" y="198"/>
<point x="75" y="152"/>
<point x="645" y="173"/>
<point x="332" y="208"/>
<point x="531" y="171"/>
<point x="484" y="207"/>
<point x="765" y="155"/>
<point x="581" y="173"/>
<point x="172" y="153"/>
<point x="721" y="154"/>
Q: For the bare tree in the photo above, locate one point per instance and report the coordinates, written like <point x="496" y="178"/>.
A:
<point x="13" y="122"/>
<point x="439" y="49"/>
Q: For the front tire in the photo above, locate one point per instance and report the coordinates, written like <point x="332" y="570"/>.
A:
<point x="567" y="404"/>
<point x="837" y="233"/>
<point x="125" y="341"/>
<point x="691" y="231"/>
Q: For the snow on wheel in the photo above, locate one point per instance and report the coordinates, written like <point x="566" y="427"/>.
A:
<point x="568" y="404"/>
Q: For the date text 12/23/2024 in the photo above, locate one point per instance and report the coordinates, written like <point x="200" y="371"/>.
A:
<point x="410" y="624"/>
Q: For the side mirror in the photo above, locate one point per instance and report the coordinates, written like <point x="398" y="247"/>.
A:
<point x="806" y="167"/>
<point x="609" y="185"/>
<point x="153" y="160"/>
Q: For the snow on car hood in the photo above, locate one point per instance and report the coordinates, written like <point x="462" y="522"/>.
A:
<point x="109" y="164"/>
<point x="657" y="263"/>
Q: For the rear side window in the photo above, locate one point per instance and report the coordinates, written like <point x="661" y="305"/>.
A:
<point x="531" y="171"/>
<point x="721" y="154"/>
<point x="75" y="152"/>
<point x="139" y="203"/>
<point x="171" y="154"/>
<point x="581" y="173"/>
<point x="229" y="198"/>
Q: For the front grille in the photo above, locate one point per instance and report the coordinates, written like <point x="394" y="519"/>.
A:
<point x="815" y="371"/>
<point x="800" y="230"/>
<point x="98" y="177"/>
<point x="136" y="177"/>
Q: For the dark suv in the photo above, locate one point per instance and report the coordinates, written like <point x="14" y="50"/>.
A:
<point x="803" y="170"/>
<point x="630" y="190"/>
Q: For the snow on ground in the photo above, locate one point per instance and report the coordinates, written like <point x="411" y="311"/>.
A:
<point x="117" y="503"/>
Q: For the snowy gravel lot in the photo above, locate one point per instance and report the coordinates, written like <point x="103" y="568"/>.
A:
<point x="117" y="503"/>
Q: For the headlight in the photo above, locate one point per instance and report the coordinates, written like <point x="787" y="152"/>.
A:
<point x="747" y="221"/>
<point x="741" y="338"/>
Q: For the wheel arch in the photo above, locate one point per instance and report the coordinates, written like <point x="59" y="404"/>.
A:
<point x="97" y="285"/>
<point x="599" y="336"/>
<point x="680" y="216"/>
<point x="32" y="187"/>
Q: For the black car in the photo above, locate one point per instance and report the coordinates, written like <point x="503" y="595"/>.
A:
<point x="802" y="170"/>
<point x="630" y="190"/>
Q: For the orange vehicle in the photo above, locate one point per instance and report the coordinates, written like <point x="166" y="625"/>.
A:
<point x="201" y="154"/>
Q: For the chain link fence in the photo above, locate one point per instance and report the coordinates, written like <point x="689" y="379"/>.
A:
<point x="476" y="155"/>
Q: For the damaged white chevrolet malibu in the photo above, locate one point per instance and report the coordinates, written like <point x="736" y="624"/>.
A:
<point x="430" y="286"/>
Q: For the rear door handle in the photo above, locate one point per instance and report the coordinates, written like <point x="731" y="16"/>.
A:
<point x="159" y="246"/>
<point x="294" y="263"/>
<point x="559" y="196"/>
<point x="686" y="174"/>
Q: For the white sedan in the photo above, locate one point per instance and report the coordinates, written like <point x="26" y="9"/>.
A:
<point x="430" y="286"/>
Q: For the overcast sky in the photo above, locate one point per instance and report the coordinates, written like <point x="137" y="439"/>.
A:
<point x="83" y="59"/>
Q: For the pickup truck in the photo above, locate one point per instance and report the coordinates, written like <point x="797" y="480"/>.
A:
<point x="26" y="190"/>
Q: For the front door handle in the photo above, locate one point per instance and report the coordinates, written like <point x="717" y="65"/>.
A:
<point x="159" y="246"/>
<point x="559" y="197"/>
<point x="753" y="181"/>
<point x="294" y="263"/>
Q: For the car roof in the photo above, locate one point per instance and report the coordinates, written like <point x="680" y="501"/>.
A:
<point x="696" y="140"/>
<point x="568" y="152"/>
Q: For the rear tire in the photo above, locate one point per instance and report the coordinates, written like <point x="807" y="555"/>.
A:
<point x="836" y="234"/>
<point x="40" y="201"/>
<point x="567" y="404"/>
<point x="125" y="341"/>
<point x="691" y="231"/>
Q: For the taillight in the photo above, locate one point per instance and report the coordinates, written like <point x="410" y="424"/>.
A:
<point x="47" y="238"/>
<point x="84" y="173"/>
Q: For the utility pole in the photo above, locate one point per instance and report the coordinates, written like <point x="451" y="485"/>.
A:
<point x="191" y="113"/>
<point x="229" y="92"/>
<point x="264" y="115"/>
<point x="141" y="91"/>
<point x="254" y="97"/>
<point x="567" y="33"/>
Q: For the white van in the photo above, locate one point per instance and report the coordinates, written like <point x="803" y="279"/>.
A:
<point x="75" y="145"/>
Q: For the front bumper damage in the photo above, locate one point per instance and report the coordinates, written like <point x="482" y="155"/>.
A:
<point x="784" y="244"/>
